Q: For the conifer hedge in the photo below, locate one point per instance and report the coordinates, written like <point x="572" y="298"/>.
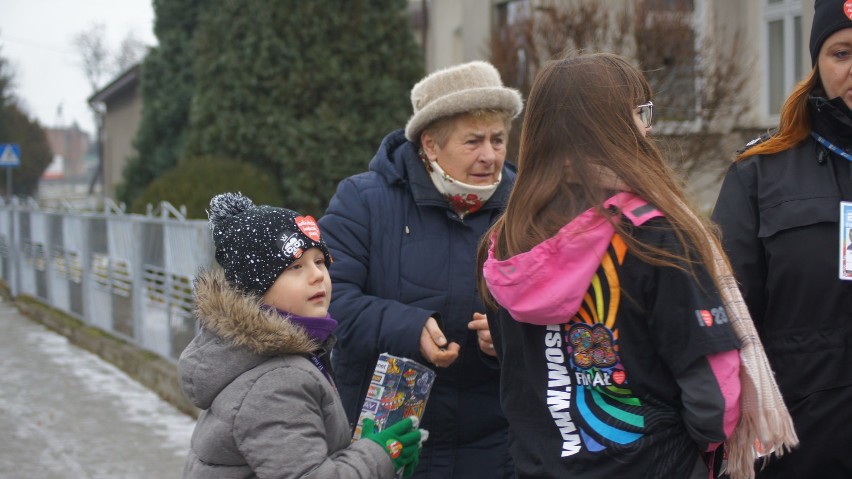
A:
<point x="305" y="90"/>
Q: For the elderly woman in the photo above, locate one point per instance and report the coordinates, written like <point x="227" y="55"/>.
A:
<point x="403" y="236"/>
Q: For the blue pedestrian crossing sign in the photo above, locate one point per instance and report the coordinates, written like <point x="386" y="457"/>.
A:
<point x="10" y="155"/>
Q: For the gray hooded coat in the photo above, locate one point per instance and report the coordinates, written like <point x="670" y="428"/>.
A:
<point x="268" y="411"/>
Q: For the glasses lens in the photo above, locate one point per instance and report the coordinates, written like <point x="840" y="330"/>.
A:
<point x="646" y="114"/>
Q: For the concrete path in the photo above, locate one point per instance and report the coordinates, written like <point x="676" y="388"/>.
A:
<point x="65" y="413"/>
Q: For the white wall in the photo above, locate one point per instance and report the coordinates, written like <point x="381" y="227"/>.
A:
<point x="458" y="32"/>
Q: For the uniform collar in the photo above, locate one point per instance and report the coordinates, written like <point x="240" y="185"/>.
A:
<point x="832" y="119"/>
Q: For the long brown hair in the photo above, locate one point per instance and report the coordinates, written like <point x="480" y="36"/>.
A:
<point x="795" y="123"/>
<point x="579" y="117"/>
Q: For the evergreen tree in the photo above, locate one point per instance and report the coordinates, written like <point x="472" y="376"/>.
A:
<point x="167" y="87"/>
<point x="17" y="127"/>
<point x="195" y="180"/>
<point x="304" y="89"/>
<point x="6" y="81"/>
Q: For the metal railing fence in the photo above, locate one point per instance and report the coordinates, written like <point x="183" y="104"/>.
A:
<point x="130" y="275"/>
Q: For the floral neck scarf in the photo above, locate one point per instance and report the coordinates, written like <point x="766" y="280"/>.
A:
<point x="463" y="198"/>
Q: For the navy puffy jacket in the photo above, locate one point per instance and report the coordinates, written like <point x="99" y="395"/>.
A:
<point x="400" y="256"/>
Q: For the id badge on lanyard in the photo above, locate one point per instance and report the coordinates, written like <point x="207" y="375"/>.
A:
<point x="845" y="243"/>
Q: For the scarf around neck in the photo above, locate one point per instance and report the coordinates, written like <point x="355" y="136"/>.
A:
<point x="765" y="426"/>
<point x="319" y="329"/>
<point x="463" y="198"/>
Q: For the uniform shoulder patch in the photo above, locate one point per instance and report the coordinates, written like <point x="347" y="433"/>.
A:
<point x="760" y="139"/>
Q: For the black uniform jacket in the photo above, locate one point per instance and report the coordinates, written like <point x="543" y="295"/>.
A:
<point x="779" y="216"/>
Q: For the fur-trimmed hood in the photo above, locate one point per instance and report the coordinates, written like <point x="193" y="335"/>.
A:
<point x="237" y="317"/>
<point x="236" y="335"/>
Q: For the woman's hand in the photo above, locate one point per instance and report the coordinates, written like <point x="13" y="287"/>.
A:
<point x="483" y="334"/>
<point x="434" y="347"/>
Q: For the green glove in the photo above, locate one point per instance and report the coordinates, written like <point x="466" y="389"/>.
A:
<point x="401" y="441"/>
<point x="411" y="467"/>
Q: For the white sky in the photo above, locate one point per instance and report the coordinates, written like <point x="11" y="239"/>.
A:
<point x="36" y="39"/>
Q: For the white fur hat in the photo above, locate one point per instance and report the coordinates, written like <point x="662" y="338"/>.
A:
<point x="458" y="89"/>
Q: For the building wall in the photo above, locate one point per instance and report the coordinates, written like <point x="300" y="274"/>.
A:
<point x="747" y="18"/>
<point x="457" y="31"/>
<point x="121" y="121"/>
<point x="71" y="144"/>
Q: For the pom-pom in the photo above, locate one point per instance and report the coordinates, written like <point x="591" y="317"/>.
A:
<point x="226" y="205"/>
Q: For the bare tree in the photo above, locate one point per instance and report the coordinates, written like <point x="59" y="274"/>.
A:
<point x="100" y="64"/>
<point x="98" y="61"/>
<point x="697" y="84"/>
<point x="695" y="80"/>
<point x="95" y="57"/>
<point x="528" y="34"/>
<point x="129" y="53"/>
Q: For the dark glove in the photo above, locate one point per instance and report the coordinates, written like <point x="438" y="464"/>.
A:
<point x="402" y="442"/>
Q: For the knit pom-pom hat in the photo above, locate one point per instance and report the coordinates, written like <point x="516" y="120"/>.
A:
<point x="459" y="89"/>
<point x="254" y="244"/>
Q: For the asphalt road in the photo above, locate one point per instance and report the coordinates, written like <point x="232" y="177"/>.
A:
<point x="65" y="413"/>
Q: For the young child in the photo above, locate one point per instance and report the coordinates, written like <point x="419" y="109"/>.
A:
<point x="617" y="336"/>
<point x="259" y="366"/>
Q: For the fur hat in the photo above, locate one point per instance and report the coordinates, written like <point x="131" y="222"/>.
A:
<point x="458" y="89"/>
<point x="829" y="17"/>
<point x="254" y="244"/>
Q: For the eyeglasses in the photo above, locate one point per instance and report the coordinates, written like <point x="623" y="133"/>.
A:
<point x="646" y="113"/>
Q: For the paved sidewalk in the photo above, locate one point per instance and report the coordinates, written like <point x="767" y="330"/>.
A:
<point x="65" y="413"/>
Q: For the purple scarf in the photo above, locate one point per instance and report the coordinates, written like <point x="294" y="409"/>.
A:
<point x="318" y="328"/>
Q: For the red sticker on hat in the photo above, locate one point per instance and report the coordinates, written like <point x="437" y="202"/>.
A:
<point x="847" y="9"/>
<point x="308" y="225"/>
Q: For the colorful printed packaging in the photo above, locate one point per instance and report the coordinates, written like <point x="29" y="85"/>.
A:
<point x="400" y="388"/>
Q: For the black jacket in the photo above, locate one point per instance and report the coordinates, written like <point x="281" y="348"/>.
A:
<point x="779" y="216"/>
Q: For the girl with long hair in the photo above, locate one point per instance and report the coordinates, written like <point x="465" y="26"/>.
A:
<point x="619" y="348"/>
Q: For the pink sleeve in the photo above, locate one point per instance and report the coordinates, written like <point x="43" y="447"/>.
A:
<point x="726" y="369"/>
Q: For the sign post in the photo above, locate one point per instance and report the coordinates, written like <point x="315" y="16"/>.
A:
<point x="10" y="157"/>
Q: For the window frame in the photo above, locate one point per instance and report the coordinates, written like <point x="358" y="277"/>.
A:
<point x="789" y="12"/>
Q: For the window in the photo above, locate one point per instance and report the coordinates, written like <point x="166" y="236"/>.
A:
<point x="668" y="5"/>
<point x="783" y="58"/>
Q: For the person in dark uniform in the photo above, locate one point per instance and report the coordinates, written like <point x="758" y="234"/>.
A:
<point x="779" y="211"/>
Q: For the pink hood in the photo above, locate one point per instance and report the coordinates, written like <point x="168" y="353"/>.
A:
<point x="546" y="284"/>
